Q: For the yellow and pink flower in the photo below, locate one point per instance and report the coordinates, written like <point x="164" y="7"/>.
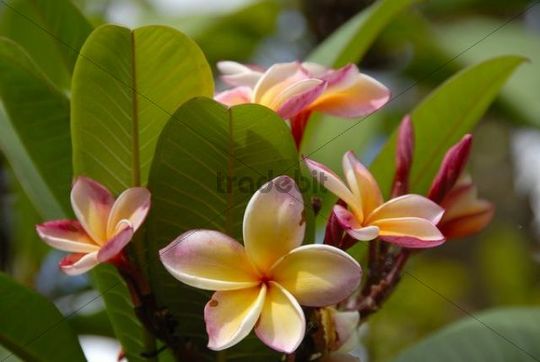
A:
<point x="262" y="284"/>
<point x="104" y="226"/>
<point x="408" y="220"/>
<point x="294" y="90"/>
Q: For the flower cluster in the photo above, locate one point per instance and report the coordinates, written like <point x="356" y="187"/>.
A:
<point x="263" y="282"/>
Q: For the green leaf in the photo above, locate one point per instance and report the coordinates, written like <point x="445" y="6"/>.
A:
<point x="97" y="324"/>
<point x="202" y="146"/>
<point x="441" y="119"/>
<point x="351" y="41"/>
<point x="35" y="133"/>
<point x="51" y="31"/>
<point x="32" y="328"/>
<point x="126" y="85"/>
<point x="521" y="91"/>
<point x="509" y="334"/>
<point x="127" y="328"/>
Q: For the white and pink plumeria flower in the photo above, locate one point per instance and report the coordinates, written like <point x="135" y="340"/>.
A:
<point x="408" y="221"/>
<point x="104" y="226"/>
<point x="294" y="90"/>
<point x="262" y="284"/>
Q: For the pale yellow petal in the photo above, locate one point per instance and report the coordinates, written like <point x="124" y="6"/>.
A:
<point x="318" y="275"/>
<point x="274" y="222"/>
<point x="282" y="324"/>
<point x="362" y="184"/>
<point x="408" y="206"/>
<point x="209" y="260"/>
<point x="132" y="205"/>
<point x="231" y="315"/>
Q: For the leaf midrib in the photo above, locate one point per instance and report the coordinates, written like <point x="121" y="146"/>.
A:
<point x="136" y="164"/>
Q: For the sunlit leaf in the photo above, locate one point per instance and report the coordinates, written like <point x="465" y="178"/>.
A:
<point x="32" y="328"/>
<point x="52" y="32"/>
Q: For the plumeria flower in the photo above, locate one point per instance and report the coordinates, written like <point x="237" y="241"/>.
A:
<point x="104" y="226"/>
<point x="408" y="221"/>
<point x="295" y="90"/>
<point x="262" y="284"/>
<point x="341" y="334"/>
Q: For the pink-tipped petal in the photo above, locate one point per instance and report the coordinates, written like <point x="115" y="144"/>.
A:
<point x="332" y="183"/>
<point x="451" y="168"/>
<point x="408" y="206"/>
<point x="232" y="97"/>
<point x="117" y="242"/>
<point x="209" y="260"/>
<point x="362" y="184"/>
<point x="132" y="205"/>
<point x="92" y="203"/>
<point x="410" y="232"/>
<point x="404" y="157"/>
<point x="275" y="80"/>
<point x="334" y="229"/>
<point x="351" y="94"/>
<point x="274" y="222"/>
<point x="365" y="233"/>
<point x="346" y="218"/>
<point x="297" y="97"/>
<point x="231" y="315"/>
<point x="318" y="275"/>
<point x="237" y="74"/>
<point x="75" y="264"/>
<point x="282" y="324"/>
<point x="66" y="235"/>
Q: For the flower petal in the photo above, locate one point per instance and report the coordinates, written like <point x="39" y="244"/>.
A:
<point x="66" y="235"/>
<point x="352" y="226"/>
<point x="274" y="222"/>
<point x="297" y="97"/>
<point x="75" y="264"/>
<point x="346" y="325"/>
<point x="410" y="232"/>
<point x="318" y="275"/>
<point x="132" y="205"/>
<point x="362" y="184"/>
<point x="237" y="74"/>
<point x="408" y="206"/>
<point x="92" y="203"/>
<point x="276" y="79"/>
<point x="404" y="157"/>
<point x="208" y="260"/>
<point x="469" y="224"/>
<point x="232" y="97"/>
<point x="117" y="242"/>
<point x="351" y="94"/>
<point x="231" y="315"/>
<point x="282" y="324"/>
<point x="332" y="183"/>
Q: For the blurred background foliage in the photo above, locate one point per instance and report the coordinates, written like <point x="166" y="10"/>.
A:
<point x="415" y="53"/>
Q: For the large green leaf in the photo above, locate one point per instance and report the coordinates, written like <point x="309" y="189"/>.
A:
<point x="126" y="84"/>
<point x="499" y="335"/>
<point x="203" y="144"/>
<point x="32" y="328"/>
<point x="350" y="42"/>
<point x="35" y="133"/>
<point x="51" y="31"/>
<point x="444" y="117"/>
